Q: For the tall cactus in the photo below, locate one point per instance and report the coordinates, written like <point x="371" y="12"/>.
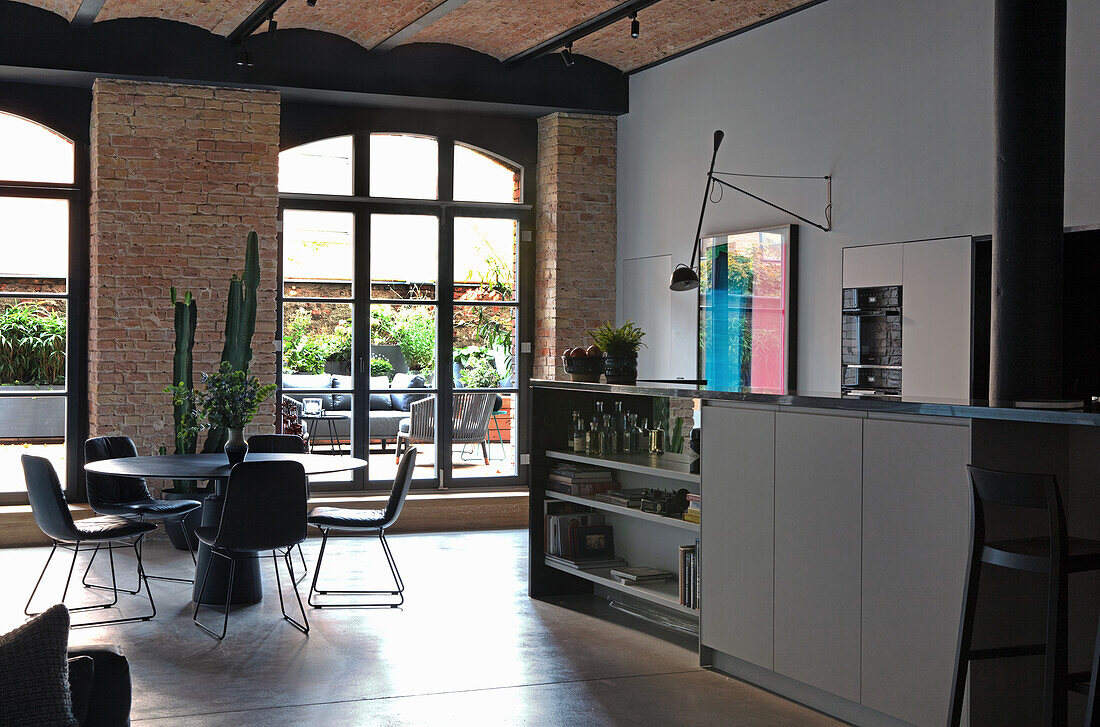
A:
<point x="240" y="325"/>
<point x="186" y="316"/>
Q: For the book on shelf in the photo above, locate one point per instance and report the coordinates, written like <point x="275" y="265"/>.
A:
<point x="580" y="488"/>
<point x="692" y="516"/>
<point x="641" y="574"/>
<point x="585" y="564"/>
<point x="561" y="517"/>
<point x="624" y="498"/>
<point x="692" y="497"/>
<point x="689" y="575"/>
<point x="569" y="471"/>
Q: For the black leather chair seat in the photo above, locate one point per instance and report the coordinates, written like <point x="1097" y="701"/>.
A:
<point x="152" y="509"/>
<point x="111" y="527"/>
<point x="343" y="518"/>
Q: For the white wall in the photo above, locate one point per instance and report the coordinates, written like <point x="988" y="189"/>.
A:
<point x="893" y="99"/>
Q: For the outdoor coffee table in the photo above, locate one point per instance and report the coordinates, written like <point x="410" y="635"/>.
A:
<point x="247" y="584"/>
<point x="333" y="438"/>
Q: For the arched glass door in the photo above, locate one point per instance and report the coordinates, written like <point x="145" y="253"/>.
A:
<point x="39" y="215"/>
<point x="400" y="305"/>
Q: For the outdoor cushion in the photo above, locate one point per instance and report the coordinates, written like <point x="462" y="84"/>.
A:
<point x="341" y="402"/>
<point x="380" y="402"/>
<point x="402" y="402"/>
<point x="34" y="672"/>
<point x="308" y="381"/>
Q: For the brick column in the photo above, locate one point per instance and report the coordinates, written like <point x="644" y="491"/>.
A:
<point x="575" y="234"/>
<point x="180" y="174"/>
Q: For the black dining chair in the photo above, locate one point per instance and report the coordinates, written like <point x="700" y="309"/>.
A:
<point x="129" y="497"/>
<point x="282" y="444"/>
<point x="264" y="510"/>
<point x="350" y="521"/>
<point x="51" y="513"/>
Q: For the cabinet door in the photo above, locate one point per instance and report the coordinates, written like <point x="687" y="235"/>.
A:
<point x="818" y="482"/>
<point x="916" y="526"/>
<point x="873" y="266"/>
<point x="737" y="488"/>
<point x="935" y="324"/>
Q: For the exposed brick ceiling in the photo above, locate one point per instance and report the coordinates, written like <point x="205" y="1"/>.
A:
<point x="671" y="26"/>
<point x="500" y="28"/>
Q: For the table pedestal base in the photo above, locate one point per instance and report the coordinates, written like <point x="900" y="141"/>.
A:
<point x="247" y="583"/>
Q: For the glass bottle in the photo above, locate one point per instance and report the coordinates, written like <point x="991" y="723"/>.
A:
<point x="578" y="434"/>
<point x="630" y="436"/>
<point x="641" y="437"/>
<point x="571" y="439"/>
<point x="610" y="439"/>
<point x="656" y="440"/>
<point x="620" y="427"/>
<point x="592" y="445"/>
<point x="601" y="437"/>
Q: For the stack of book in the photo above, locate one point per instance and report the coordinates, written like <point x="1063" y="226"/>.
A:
<point x="579" y="479"/>
<point x="694" y="512"/>
<point x="625" y="498"/>
<point x="641" y="574"/>
<point x="586" y="563"/>
<point x="689" y="575"/>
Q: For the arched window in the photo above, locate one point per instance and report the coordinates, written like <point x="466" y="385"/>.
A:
<point x="37" y="219"/>
<point x="406" y="290"/>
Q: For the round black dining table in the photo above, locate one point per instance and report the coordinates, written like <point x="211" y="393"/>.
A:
<point x="247" y="584"/>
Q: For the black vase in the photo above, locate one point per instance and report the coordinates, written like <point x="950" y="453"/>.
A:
<point x="621" y="369"/>
<point x="236" y="447"/>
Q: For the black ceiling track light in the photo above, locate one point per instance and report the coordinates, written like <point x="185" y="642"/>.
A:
<point x="243" y="59"/>
<point x="567" y="56"/>
<point x="635" y="26"/>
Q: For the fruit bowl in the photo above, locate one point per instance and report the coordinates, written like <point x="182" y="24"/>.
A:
<point x="584" y="365"/>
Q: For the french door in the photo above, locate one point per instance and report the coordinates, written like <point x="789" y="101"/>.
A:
<point x="404" y="316"/>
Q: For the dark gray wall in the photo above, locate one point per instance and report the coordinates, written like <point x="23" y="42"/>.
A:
<point x="893" y="99"/>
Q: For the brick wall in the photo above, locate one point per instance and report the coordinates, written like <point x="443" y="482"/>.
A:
<point x="180" y="174"/>
<point x="575" y="234"/>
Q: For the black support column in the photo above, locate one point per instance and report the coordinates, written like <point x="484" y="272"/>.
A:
<point x="1030" y="117"/>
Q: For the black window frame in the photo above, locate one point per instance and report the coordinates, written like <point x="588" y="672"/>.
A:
<point x="362" y="206"/>
<point x="76" y="306"/>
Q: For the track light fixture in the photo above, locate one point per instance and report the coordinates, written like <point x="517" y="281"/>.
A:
<point x="635" y="26"/>
<point x="567" y="55"/>
<point x="311" y="3"/>
<point x="243" y="59"/>
<point x="272" y="25"/>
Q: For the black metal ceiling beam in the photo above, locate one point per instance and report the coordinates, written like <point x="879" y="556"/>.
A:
<point x="396" y="39"/>
<point x="255" y="19"/>
<point x="588" y="27"/>
<point x="86" y="13"/>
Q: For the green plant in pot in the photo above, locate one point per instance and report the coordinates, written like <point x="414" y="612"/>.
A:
<point x="620" y="346"/>
<point x="230" y="401"/>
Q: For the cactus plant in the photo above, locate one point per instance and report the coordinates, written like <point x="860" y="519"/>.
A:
<point x="240" y="325"/>
<point x="186" y="316"/>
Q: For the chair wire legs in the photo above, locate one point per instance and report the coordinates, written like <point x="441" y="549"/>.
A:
<point x="302" y="625"/>
<point x="385" y="603"/>
<point x="150" y="576"/>
<point x="142" y="581"/>
<point x="228" y="595"/>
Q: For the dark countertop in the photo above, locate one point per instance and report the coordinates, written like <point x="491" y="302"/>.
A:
<point x="959" y="408"/>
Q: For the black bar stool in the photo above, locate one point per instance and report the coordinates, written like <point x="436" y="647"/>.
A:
<point x="1054" y="553"/>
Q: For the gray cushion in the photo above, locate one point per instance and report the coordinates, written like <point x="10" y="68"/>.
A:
<point x="402" y="402"/>
<point x="34" y="673"/>
<point x="308" y="381"/>
<point x="380" y="402"/>
<point x="341" y="402"/>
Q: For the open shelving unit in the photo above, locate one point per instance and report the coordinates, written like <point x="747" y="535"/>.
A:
<point x="620" y="510"/>
<point x="662" y="593"/>
<point x="643" y="464"/>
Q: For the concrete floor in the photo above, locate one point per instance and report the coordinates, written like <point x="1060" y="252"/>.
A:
<point x="468" y="648"/>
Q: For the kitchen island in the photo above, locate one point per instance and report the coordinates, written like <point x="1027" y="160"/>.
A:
<point x="834" y="542"/>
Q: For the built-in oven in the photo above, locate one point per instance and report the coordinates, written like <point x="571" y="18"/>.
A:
<point x="870" y="348"/>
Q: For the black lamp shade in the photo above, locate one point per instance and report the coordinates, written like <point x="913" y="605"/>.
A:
<point x="683" y="278"/>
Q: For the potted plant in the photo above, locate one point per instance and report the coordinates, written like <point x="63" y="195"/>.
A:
<point x="231" y="400"/>
<point x="620" y="347"/>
